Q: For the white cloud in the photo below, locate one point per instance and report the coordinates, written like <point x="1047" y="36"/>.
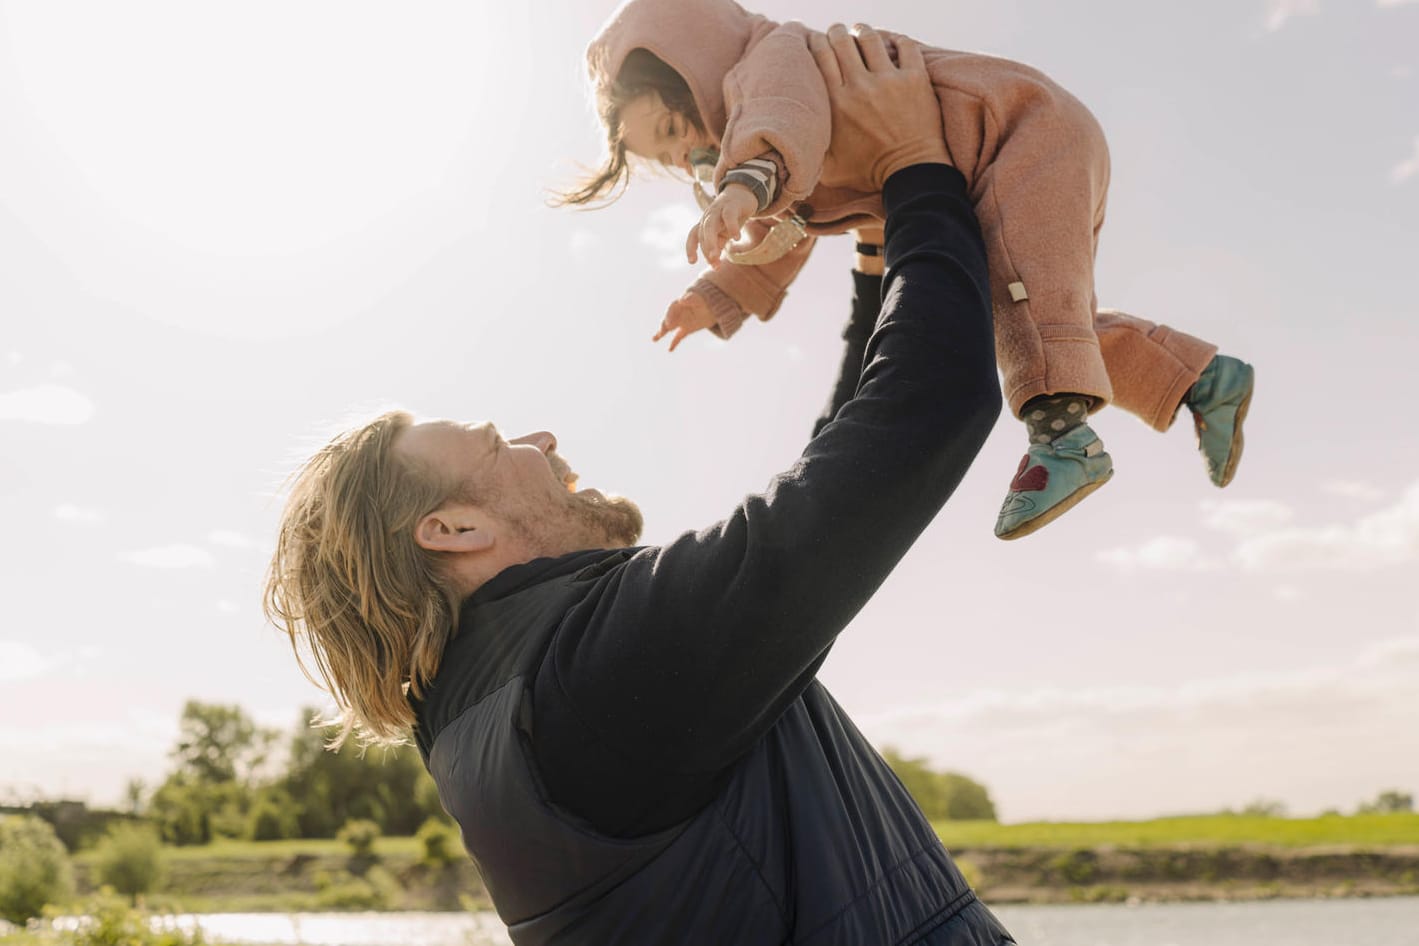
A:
<point x="1407" y="168"/>
<point x="22" y="662"/>
<point x="1387" y="537"/>
<point x="68" y="512"/>
<point x="1243" y="517"/>
<point x="231" y="539"/>
<point x="1354" y="489"/>
<point x="665" y="232"/>
<point x="1137" y="751"/>
<point x="170" y="556"/>
<point x="46" y="404"/>
<point x="1165" y="553"/>
<point x="1279" y="11"/>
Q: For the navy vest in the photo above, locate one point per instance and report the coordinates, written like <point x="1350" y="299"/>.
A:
<point x="812" y="839"/>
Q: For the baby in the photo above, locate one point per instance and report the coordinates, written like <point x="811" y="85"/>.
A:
<point x="739" y="102"/>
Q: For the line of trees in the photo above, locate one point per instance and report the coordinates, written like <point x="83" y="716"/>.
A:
<point x="230" y="780"/>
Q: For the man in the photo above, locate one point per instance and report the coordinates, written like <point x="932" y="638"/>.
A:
<point x="632" y="739"/>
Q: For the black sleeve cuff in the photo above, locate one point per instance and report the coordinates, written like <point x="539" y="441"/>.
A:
<point x="919" y="179"/>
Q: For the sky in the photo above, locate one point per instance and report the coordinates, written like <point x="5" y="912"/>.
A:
<point x="231" y="230"/>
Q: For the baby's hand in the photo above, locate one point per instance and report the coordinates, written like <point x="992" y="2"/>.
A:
<point x="722" y="222"/>
<point x="686" y="315"/>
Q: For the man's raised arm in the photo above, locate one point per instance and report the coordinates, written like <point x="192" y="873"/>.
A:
<point x="686" y="654"/>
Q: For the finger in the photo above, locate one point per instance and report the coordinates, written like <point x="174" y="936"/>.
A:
<point x="826" y="59"/>
<point x="692" y="241"/>
<point x="909" y="57"/>
<point x="845" y="49"/>
<point x="874" y="51"/>
<point x="680" y="336"/>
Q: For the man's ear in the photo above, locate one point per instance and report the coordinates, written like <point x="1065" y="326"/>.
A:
<point x="453" y="529"/>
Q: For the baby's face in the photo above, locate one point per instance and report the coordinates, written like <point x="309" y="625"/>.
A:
<point x="652" y="131"/>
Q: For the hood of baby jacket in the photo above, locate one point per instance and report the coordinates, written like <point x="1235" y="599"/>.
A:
<point x="700" y="39"/>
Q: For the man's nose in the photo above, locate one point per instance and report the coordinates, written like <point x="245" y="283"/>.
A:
<point x="543" y="440"/>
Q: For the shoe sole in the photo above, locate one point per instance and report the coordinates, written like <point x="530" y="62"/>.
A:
<point x="1059" y="509"/>
<point x="1234" y="452"/>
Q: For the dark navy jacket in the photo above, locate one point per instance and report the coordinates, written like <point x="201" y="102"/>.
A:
<point x="633" y="742"/>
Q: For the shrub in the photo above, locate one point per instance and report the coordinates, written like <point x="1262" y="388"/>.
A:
<point x="439" y="845"/>
<point x="108" y="920"/>
<point x="130" y="859"/>
<point x="273" y="818"/>
<point x="376" y="890"/>
<point x="34" y="869"/>
<point x="360" y="834"/>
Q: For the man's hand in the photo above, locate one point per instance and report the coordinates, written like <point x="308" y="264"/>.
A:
<point x="686" y="315"/>
<point x="885" y="115"/>
<point x="722" y="222"/>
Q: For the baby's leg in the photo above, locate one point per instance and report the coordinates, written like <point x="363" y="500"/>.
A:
<point x="1151" y="367"/>
<point x="1040" y="208"/>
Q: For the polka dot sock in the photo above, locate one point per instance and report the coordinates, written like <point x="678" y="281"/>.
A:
<point x="1054" y="415"/>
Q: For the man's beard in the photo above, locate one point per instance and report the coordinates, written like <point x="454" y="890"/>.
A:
<point x="582" y="522"/>
<point x="614" y="520"/>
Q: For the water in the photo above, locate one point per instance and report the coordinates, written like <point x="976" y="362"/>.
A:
<point x="1378" y="922"/>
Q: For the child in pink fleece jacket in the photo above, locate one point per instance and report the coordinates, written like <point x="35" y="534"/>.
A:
<point x="701" y="84"/>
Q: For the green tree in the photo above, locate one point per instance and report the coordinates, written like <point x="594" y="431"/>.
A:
<point x="388" y="787"/>
<point x="965" y="798"/>
<point x="130" y="859"/>
<point x="1390" y="802"/>
<point x="135" y="793"/>
<point x="1265" y="808"/>
<point x="941" y="795"/>
<point x="273" y="817"/>
<point x="34" y="869"/>
<point x="221" y="757"/>
<point x="220" y="743"/>
<point x="181" y="809"/>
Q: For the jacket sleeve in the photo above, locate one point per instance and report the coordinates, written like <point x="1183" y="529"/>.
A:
<point x="735" y="292"/>
<point x="777" y="101"/>
<point x="866" y="306"/>
<point x="684" y="656"/>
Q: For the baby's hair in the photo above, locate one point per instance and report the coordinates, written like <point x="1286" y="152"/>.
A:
<point x="642" y="73"/>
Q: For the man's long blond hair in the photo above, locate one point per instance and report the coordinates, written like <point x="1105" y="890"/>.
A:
<point x="348" y="577"/>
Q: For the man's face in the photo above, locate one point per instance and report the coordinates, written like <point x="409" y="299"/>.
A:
<point x="526" y="487"/>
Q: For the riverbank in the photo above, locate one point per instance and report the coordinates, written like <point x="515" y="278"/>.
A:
<point x="1218" y="858"/>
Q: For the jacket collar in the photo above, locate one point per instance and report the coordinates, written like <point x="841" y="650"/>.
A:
<point x="517" y="578"/>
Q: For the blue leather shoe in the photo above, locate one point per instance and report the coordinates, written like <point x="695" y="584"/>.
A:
<point x="1219" y="402"/>
<point x="1052" y="479"/>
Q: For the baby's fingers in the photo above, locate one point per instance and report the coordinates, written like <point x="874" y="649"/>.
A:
<point x="680" y="335"/>
<point x="692" y="245"/>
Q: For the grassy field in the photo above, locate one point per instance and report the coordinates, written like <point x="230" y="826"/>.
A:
<point x="1371" y="831"/>
<point x="263" y="850"/>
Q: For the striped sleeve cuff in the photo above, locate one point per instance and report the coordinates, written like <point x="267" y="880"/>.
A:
<point x="760" y="175"/>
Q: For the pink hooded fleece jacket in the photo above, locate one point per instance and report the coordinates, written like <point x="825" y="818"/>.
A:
<point x="1034" y="158"/>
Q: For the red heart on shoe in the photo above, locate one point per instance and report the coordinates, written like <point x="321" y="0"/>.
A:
<point x="1033" y="480"/>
